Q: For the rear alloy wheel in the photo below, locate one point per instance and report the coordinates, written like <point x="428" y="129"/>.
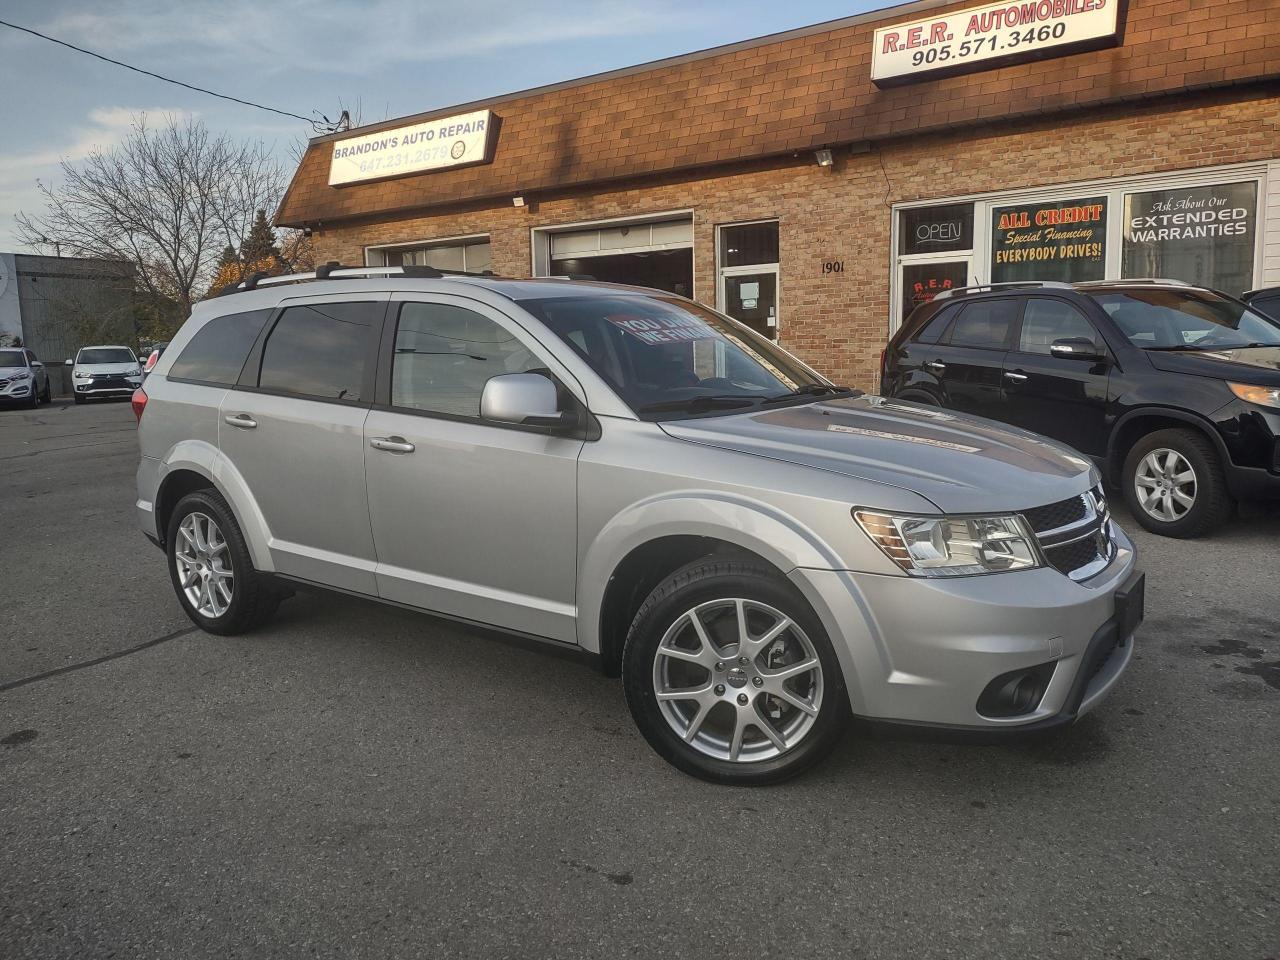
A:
<point x="211" y="570"/>
<point x="1174" y="484"/>
<point x="730" y="676"/>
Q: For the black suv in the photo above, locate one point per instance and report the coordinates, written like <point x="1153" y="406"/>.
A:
<point x="1172" y="390"/>
<point x="1265" y="301"/>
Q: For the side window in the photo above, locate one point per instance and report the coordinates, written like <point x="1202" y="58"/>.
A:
<point x="1269" y="305"/>
<point x="31" y="357"/>
<point x="1045" y="320"/>
<point x="216" y="354"/>
<point x="444" y="355"/>
<point x="318" y="350"/>
<point x="984" y="324"/>
<point x="931" y="332"/>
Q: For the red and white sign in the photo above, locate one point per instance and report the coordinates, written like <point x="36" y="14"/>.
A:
<point x="982" y="38"/>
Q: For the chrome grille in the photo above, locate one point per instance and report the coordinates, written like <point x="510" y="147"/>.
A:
<point x="1075" y="535"/>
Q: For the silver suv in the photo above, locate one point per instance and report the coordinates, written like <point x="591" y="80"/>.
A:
<point x="23" y="378"/>
<point x="628" y="475"/>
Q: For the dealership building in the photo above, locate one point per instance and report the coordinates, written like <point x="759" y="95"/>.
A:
<point x="819" y="183"/>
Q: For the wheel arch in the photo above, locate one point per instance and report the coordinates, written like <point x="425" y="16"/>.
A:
<point x="648" y="542"/>
<point x="1136" y="424"/>
<point x="196" y="465"/>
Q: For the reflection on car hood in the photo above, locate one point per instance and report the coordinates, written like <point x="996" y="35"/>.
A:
<point x="1258" y="365"/>
<point x="962" y="464"/>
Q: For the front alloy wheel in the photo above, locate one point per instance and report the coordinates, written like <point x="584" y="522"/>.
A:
<point x="730" y="675"/>
<point x="738" y="680"/>
<point x="1165" y="484"/>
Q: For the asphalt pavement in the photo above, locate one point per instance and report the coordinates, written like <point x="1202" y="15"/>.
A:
<point x="359" y="781"/>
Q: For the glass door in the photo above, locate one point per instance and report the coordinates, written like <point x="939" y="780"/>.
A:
<point x="922" y="281"/>
<point x="752" y="298"/>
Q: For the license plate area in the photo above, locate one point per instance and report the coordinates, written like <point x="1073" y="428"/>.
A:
<point x="1131" y="601"/>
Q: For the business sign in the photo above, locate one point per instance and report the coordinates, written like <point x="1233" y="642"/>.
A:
<point x="1203" y="235"/>
<point x="983" y="38"/>
<point x="936" y="229"/>
<point x="921" y="282"/>
<point x="413" y="148"/>
<point x="1065" y="240"/>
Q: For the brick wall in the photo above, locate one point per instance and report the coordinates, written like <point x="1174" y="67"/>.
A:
<point x="795" y="93"/>
<point x="839" y="322"/>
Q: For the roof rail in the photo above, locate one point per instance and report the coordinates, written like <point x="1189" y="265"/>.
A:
<point x="336" y="271"/>
<point x="1155" y="281"/>
<point x="988" y="287"/>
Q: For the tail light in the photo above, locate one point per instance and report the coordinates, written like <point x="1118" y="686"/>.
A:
<point x="151" y="361"/>
<point x="138" y="402"/>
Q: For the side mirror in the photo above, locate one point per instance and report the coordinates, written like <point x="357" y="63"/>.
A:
<point x="529" y="399"/>
<point x="69" y="363"/>
<point x="36" y="363"/>
<point x="1077" y="348"/>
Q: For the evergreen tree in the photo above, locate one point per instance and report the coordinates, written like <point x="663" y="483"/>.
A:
<point x="228" y="257"/>
<point x="260" y="244"/>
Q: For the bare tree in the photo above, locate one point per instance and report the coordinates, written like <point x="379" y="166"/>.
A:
<point x="168" y="200"/>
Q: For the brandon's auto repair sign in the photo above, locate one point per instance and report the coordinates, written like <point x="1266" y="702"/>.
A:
<point x="985" y="37"/>
<point x="413" y="148"/>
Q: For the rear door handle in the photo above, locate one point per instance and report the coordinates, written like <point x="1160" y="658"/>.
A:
<point x="1015" y="376"/>
<point x="241" y="420"/>
<point x="937" y="366"/>
<point x="392" y="444"/>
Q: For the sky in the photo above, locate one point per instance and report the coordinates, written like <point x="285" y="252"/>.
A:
<point x="378" y="58"/>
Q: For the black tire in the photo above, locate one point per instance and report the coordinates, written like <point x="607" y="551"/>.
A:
<point x="254" y="597"/>
<point x="78" y="399"/>
<point x="708" y="580"/>
<point x="34" y="402"/>
<point x="1213" y="505"/>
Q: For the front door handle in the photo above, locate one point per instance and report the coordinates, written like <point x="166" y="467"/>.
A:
<point x="937" y="366"/>
<point x="241" y="420"/>
<point x="392" y="444"/>
<point x="1015" y="376"/>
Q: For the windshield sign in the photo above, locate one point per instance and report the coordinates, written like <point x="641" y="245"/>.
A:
<point x="1191" y="320"/>
<point x="106" y="355"/>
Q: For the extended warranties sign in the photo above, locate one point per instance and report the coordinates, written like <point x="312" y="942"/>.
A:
<point x="414" y="148"/>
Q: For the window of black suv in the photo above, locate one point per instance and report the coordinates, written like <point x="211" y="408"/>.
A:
<point x="1189" y="320"/>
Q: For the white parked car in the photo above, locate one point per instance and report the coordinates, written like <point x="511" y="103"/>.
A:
<point x="104" y="372"/>
<point x="23" y="378"/>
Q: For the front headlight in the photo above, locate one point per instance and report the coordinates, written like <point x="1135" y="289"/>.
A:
<point x="952" y="546"/>
<point x="135" y="372"/>
<point x="21" y="375"/>
<point x="1263" y="396"/>
<point x="81" y="375"/>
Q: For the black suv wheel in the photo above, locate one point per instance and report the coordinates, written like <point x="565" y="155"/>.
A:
<point x="1174" y="484"/>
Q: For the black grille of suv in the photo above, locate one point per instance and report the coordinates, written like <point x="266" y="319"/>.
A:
<point x="1055" y="515"/>
<point x="1070" y="558"/>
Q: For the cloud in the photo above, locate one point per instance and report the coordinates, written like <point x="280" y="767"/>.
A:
<point x="102" y="129"/>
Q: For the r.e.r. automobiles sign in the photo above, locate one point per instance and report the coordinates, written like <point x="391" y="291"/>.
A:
<point x="983" y="38"/>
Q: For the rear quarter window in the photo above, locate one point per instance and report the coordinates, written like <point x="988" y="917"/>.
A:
<point x="931" y="331"/>
<point x="216" y="354"/>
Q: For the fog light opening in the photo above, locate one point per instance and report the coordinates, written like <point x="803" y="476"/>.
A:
<point x="1017" y="692"/>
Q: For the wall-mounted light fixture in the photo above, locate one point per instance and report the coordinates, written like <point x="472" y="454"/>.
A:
<point x="517" y="201"/>
<point x="824" y="158"/>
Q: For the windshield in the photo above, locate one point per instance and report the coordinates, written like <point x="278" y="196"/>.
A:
<point x="1187" y="320"/>
<point x="667" y="354"/>
<point x="12" y="358"/>
<point x="106" y="355"/>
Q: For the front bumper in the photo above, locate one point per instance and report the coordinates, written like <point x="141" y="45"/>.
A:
<point x="107" y="387"/>
<point x="920" y="652"/>
<point x="15" y="390"/>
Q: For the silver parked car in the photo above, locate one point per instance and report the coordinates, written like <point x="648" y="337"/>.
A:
<point x="23" y="378"/>
<point x="108" y="371"/>
<point x="626" y="474"/>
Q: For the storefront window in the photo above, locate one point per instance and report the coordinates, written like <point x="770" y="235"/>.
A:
<point x="1064" y="240"/>
<point x="749" y="244"/>
<point x="468" y="257"/>
<point x="936" y="229"/>
<point x="921" y="282"/>
<point x="1202" y="235"/>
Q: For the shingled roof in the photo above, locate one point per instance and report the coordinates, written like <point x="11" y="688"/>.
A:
<point x="787" y="93"/>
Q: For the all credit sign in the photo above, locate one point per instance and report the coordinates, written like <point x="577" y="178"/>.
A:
<point x="983" y="38"/>
<point x="413" y="148"/>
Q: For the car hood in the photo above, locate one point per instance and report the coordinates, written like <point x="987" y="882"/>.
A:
<point x="962" y="464"/>
<point x="105" y="367"/>
<point x="1256" y="365"/>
